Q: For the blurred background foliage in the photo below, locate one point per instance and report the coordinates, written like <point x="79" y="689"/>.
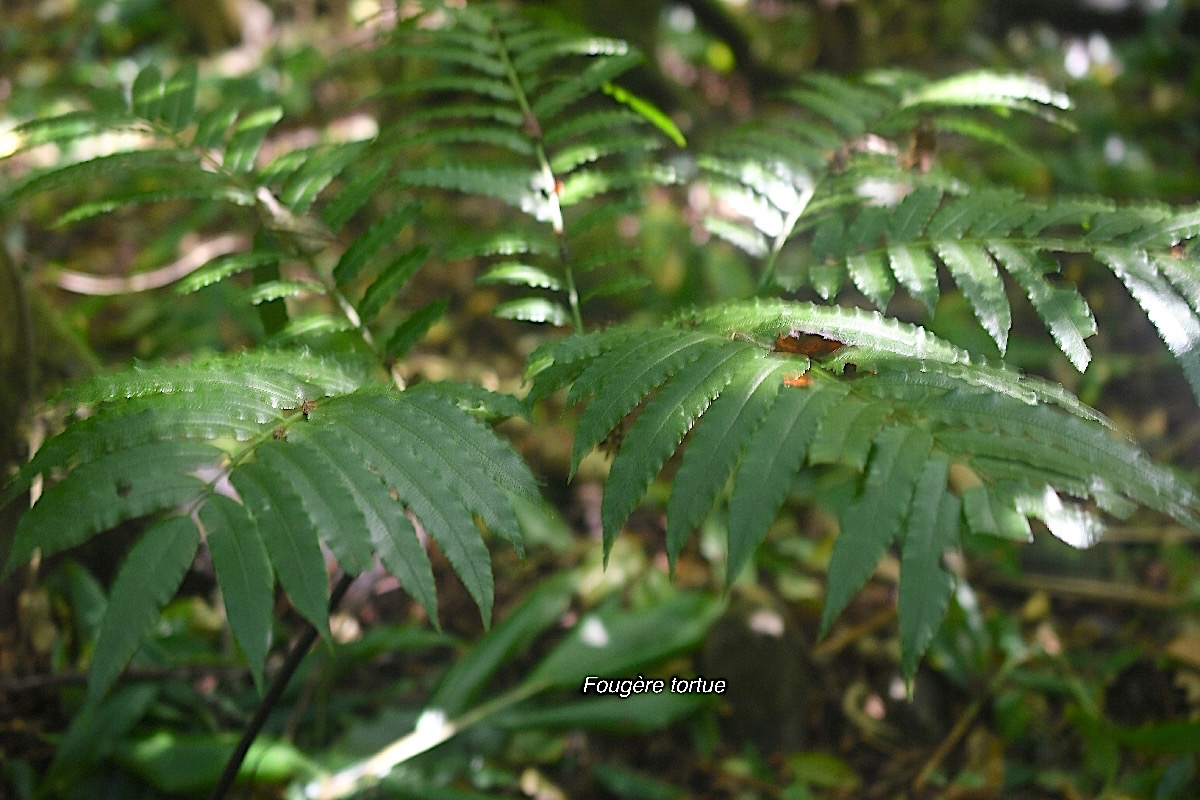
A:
<point x="1060" y="674"/>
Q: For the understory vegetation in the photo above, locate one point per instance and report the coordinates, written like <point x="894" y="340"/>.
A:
<point x="454" y="401"/>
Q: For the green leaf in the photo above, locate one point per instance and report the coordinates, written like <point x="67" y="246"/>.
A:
<point x="749" y="240"/>
<point x="290" y="539"/>
<point x="661" y="426"/>
<point x="989" y="512"/>
<point x="622" y="284"/>
<point x="391" y="279"/>
<point x="267" y="291"/>
<point x="211" y="127"/>
<point x="598" y="72"/>
<point x="636" y="714"/>
<point x="113" y="488"/>
<point x="248" y="137"/>
<point x="717" y="445"/>
<point x="647" y="110"/>
<point x="872" y="278"/>
<point x="909" y="218"/>
<point x="179" y="97"/>
<point x="244" y="575"/>
<point x="773" y="457"/>
<point x="368" y="245"/>
<point x="533" y="309"/>
<point x="96" y="730"/>
<point x="202" y="188"/>
<point x="475" y="400"/>
<point x="147" y="93"/>
<point x="987" y="89"/>
<point x="409" y="332"/>
<point x="66" y="127"/>
<point x="541" y="609"/>
<point x="584" y="184"/>
<point x="514" y="187"/>
<point x="124" y="165"/>
<point x="613" y="642"/>
<point x="393" y="536"/>
<point x="477" y="464"/>
<point x="1176" y="323"/>
<point x="925" y="583"/>
<point x="226" y="266"/>
<point x="873" y="521"/>
<point x="977" y="276"/>
<point x="149" y="578"/>
<point x="853" y="326"/>
<point x="587" y="124"/>
<point x="301" y="189"/>
<point x="191" y="763"/>
<point x="917" y="273"/>
<point x="1064" y="310"/>
<point x="634" y="372"/>
<point x="405" y="465"/>
<point x="517" y="274"/>
<point x="330" y="510"/>
<point x="845" y="437"/>
<point x="353" y="196"/>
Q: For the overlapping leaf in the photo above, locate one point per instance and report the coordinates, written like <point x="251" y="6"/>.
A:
<point x="756" y="418"/>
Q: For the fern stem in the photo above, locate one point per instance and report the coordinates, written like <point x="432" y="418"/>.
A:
<point x="274" y="692"/>
<point x="423" y="738"/>
<point x="550" y="183"/>
<point x="352" y="316"/>
<point x="785" y="233"/>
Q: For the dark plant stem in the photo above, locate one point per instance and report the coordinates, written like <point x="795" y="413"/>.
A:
<point x="274" y="692"/>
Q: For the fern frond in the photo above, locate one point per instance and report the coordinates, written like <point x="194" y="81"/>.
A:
<point x="866" y="329"/>
<point x="873" y="521"/>
<point x="125" y="165"/>
<point x="533" y="309"/>
<point x="148" y="579"/>
<point x="517" y="274"/>
<point x="1176" y="322"/>
<point x="664" y="422"/>
<point x="226" y="266"/>
<point x="773" y="457"/>
<point x="925" y="583"/>
<point x="244" y="574"/>
<point x="914" y="408"/>
<point x="987" y="89"/>
<point x="370" y="243"/>
<point x="717" y="446"/>
<point x="409" y="332"/>
<point x="301" y="189"/>
<point x="292" y="543"/>
<point x="1066" y="313"/>
<point x="441" y="512"/>
<point x="977" y="276"/>
<point x="247" y="138"/>
<point x="637" y="371"/>
<point x="116" y="487"/>
<point x="515" y="187"/>
<point x="391" y="279"/>
<point x="391" y="533"/>
<point x="65" y="128"/>
<point x="596" y="74"/>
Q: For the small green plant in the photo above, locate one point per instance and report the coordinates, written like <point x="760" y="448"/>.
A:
<point x="313" y="437"/>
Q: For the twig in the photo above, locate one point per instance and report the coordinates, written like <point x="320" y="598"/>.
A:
<point x="104" y="285"/>
<point x="34" y="682"/>
<point x="274" y="692"/>
<point x="939" y="755"/>
<point x="1099" y="591"/>
<point x="848" y="636"/>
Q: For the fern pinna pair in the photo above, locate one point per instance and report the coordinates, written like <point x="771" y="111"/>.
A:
<point x="269" y="453"/>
